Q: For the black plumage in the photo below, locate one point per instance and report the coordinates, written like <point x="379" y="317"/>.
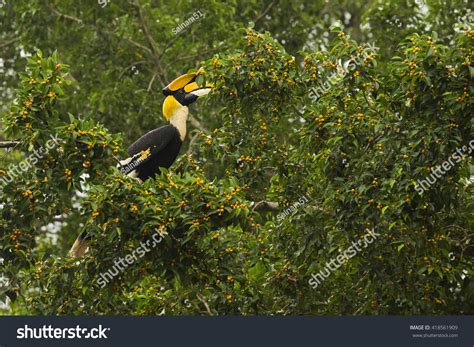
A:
<point x="154" y="150"/>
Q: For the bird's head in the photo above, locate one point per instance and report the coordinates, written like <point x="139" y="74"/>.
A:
<point x="182" y="92"/>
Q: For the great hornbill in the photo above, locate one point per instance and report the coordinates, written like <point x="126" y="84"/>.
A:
<point x="159" y="147"/>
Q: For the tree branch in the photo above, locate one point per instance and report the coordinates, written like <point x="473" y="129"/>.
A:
<point x="153" y="50"/>
<point x="265" y="206"/>
<point x="269" y="7"/>
<point x="7" y="43"/>
<point x="151" y="82"/>
<point x="151" y="42"/>
<point x="80" y="21"/>
<point x="65" y="16"/>
<point x="168" y="45"/>
<point x="201" y="299"/>
<point x="8" y="144"/>
<point x="193" y="139"/>
<point x="146" y="31"/>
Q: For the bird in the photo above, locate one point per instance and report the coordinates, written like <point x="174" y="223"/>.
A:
<point x="160" y="147"/>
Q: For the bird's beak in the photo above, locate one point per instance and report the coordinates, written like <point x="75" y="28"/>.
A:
<point x="181" y="82"/>
<point x="193" y="89"/>
<point x="200" y="91"/>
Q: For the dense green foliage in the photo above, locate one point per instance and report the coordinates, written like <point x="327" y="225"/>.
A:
<point x="401" y="105"/>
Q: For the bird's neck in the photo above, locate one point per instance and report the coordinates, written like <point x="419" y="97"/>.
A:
<point x="178" y="120"/>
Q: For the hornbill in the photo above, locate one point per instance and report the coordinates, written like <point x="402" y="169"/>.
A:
<point x="160" y="147"/>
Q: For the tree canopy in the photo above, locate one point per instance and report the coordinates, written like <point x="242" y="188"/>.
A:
<point x="323" y="119"/>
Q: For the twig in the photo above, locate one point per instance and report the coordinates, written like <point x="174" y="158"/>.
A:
<point x="151" y="42"/>
<point x="266" y="206"/>
<point x="269" y="7"/>
<point x="201" y="299"/>
<point x="192" y="140"/>
<point x="139" y="45"/>
<point x="146" y="31"/>
<point x="80" y="21"/>
<point x="8" y="144"/>
<point x="7" y="43"/>
<point x="370" y="105"/>
<point x="359" y="310"/>
<point x="66" y="16"/>
<point x="168" y="45"/>
<point x="151" y="82"/>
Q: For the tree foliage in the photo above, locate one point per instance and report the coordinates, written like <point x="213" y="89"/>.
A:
<point x="401" y="104"/>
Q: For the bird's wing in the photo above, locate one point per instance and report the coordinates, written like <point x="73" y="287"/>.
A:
<point x="146" y="146"/>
